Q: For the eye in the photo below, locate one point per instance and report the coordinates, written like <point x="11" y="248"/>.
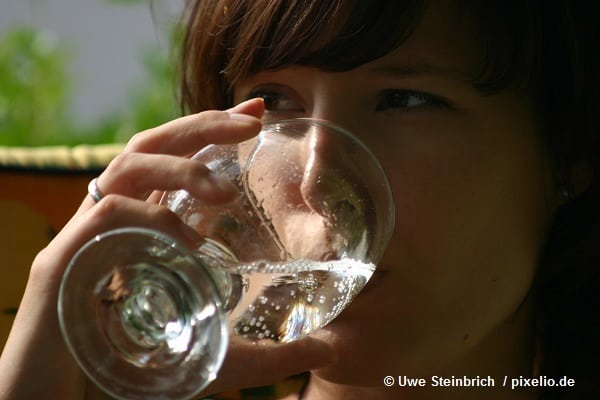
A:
<point x="277" y="101"/>
<point x="396" y="99"/>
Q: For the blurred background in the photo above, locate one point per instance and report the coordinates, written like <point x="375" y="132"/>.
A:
<point x="85" y="71"/>
<point x="77" y="79"/>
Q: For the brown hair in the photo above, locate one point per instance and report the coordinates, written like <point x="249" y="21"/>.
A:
<point x="227" y="40"/>
<point x="547" y="49"/>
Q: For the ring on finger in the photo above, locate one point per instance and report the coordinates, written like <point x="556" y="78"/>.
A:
<point x="94" y="191"/>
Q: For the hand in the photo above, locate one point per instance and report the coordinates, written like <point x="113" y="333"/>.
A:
<point x="35" y="362"/>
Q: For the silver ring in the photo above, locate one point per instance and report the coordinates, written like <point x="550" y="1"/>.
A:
<point x="93" y="190"/>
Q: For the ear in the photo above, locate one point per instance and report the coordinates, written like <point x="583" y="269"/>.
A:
<point x="579" y="178"/>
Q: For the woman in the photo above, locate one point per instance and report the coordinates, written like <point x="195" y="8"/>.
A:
<point x="482" y="115"/>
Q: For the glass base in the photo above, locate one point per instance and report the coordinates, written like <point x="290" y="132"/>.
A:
<point x="142" y="316"/>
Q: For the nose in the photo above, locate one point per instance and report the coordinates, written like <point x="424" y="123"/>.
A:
<point x="333" y="140"/>
<point x="343" y="182"/>
<point x="329" y="139"/>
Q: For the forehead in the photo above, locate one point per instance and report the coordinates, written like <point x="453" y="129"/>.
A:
<point x="444" y="41"/>
<point x="433" y="33"/>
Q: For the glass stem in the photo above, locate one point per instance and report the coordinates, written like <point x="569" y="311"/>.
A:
<point x="220" y="264"/>
<point x="157" y="307"/>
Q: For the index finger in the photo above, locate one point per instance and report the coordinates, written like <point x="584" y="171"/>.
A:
<point x="186" y="135"/>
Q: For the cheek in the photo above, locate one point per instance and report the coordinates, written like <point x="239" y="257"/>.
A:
<point x="470" y="227"/>
<point x="471" y="222"/>
<point x="470" y="197"/>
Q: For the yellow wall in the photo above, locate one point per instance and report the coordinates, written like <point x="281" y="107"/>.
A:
<point x="33" y="207"/>
<point x="40" y="189"/>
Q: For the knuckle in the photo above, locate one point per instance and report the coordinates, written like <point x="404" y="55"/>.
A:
<point x="137" y="141"/>
<point x="121" y="162"/>
<point x="40" y="261"/>
<point x="107" y="207"/>
<point x="125" y="171"/>
<point x="48" y="266"/>
<point x="210" y="115"/>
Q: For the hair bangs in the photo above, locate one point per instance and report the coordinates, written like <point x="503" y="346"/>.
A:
<point x="334" y="35"/>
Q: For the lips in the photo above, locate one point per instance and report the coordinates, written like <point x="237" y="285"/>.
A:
<point x="376" y="280"/>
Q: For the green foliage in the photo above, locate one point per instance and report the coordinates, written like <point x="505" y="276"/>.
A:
<point x="35" y="91"/>
<point x="152" y="101"/>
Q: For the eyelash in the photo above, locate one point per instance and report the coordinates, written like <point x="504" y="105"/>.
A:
<point x="398" y="99"/>
<point x="390" y="100"/>
<point x="271" y="97"/>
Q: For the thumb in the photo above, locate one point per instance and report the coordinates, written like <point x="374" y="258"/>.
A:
<point x="251" y="364"/>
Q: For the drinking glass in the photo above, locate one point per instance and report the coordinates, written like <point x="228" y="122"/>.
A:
<point x="147" y="318"/>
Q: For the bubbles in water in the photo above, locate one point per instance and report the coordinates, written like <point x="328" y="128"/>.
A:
<point x="308" y="284"/>
<point x="289" y="300"/>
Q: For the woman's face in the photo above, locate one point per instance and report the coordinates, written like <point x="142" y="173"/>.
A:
<point x="474" y="197"/>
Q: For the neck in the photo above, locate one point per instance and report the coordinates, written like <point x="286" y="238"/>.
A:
<point x="506" y="352"/>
